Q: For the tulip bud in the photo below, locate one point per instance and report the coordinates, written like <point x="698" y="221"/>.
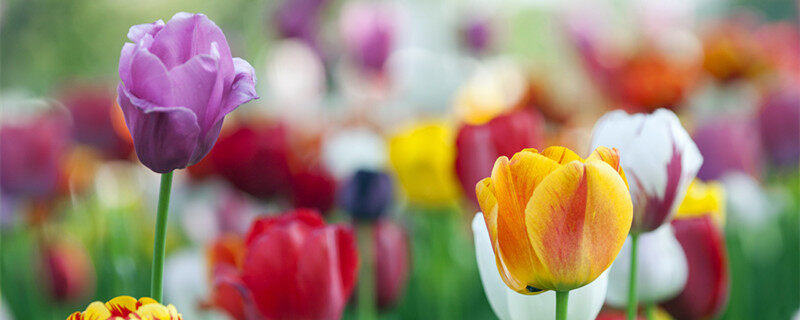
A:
<point x="392" y="262"/>
<point x="68" y="271"/>
<point x="367" y="195"/>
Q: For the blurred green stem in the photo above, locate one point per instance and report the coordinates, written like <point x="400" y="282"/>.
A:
<point x="156" y="287"/>
<point x="632" y="303"/>
<point x="650" y="310"/>
<point x="366" y="307"/>
<point x="562" y="298"/>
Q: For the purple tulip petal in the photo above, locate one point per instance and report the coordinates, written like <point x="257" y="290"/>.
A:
<point x="137" y="32"/>
<point x="125" y="58"/>
<point x="243" y="88"/>
<point x="164" y="137"/>
<point x="148" y="79"/>
<point x="197" y="85"/>
<point x="187" y="35"/>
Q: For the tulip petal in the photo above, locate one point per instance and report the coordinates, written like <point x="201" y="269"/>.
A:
<point x="578" y="222"/>
<point x="268" y="271"/>
<point x="137" y="32"/>
<point x="196" y="85"/>
<point x="243" y="88"/>
<point x="121" y="306"/>
<point x="187" y="35"/>
<point x="164" y="137"/>
<point x="96" y="310"/>
<point x="147" y="79"/>
<point x="560" y="154"/>
<point x="511" y="185"/>
<point x="610" y="156"/>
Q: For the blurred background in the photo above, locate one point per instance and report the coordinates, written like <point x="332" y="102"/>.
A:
<point x="388" y="86"/>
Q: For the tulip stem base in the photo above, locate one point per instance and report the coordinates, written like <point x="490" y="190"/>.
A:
<point x="366" y="307"/>
<point x="156" y="284"/>
<point x="562" y="298"/>
<point x="632" y="295"/>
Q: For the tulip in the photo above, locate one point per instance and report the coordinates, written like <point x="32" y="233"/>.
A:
<point x="510" y="305"/>
<point x="178" y="83"/>
<point x="368" y="30"/>
<point x="253" y="158"/>
<point x="392" y="262"/>
<point x="422" y="157"/>
<point x="477" y="146"/>
<point x="659" y="159"/>
<point x="717" y="141"/>
<point x="93" y="112"/>
<point x="300" y="19"/>
<point x="698" y="229"/>
<point x="294" y="267"/>
<point x="477" y="34"/>
<point x="706" y="292"/>
<point x="313" y="187"/>
<point x="556" y="221"/>
<point x="367" y="195"/>
<point x="661" y="267"/>
<point x="127" y="308"/>
<point x="68" y="270"/>
<point x="30" y="156"/>
<point x="778" y="120"/>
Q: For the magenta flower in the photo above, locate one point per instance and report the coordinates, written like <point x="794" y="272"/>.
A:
<point x="178" y="83"/>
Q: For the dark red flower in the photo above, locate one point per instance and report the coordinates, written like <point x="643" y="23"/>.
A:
<point x="93" y="110"/>
<point x="313" y="187"/>
<point x="706" y="292"/>
<point x="478" y="146"/>
<point x="68" y="271"/>
<point x="392" y="262"/>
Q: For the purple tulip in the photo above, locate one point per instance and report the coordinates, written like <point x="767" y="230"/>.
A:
<point x="477" y="34"/>
<point x="178" y="83"/>
<point x="31" y="155"/>
<point x="367" y="196"/>
<point x="728" y="145"/>
<point x="780" y="132"/>
<point x="368" y="30"/>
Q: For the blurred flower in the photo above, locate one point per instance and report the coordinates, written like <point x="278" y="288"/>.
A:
<point x="367" y="196"/>
<point x="750" y="206"/>
<point x="585" y="302"/>
<point x="178" y="83"/>
<point x="422" y="157"/>
<point x="727" y="145"/>
<point x="703" y="199"/>
<point x="348" y="150"/>
<point x="477" y="34"/>
<point x="299" y="19"/>
<point x="478" y="146"/>
<point x="368" y="30"/>
<point x="556" y="221"/>
<point x="184" y="282"/>
<point x="253" y="158"/>
<point x="31" y="153"/>
<point x="778" y="120"/>
<point x="294" y="267"/>
<point x="659" y="158"/>
<point x="312" y="187"/>
<point x="67" y="270"/>
<point x="93" y="111"/>
<point x="661" y="266"/>
<point x="731" y="52"/>
<point x="493" y="88"/>
<point x="706" y="292"/>
<point x="127" y="308"/>
<point x="392" y="262"/>
<point x="295" y="84"/>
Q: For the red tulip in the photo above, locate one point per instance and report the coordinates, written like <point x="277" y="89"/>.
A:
<point x="68" y="271"/>
<point x="391" y="262"/>
<point x="252" y="158"/>
<point x="294" y="267"/>
<point x="313" y="187"/>
<point x="92" y="108"/>
<point x="478" y="146"/>
<point x="706" y="291"/>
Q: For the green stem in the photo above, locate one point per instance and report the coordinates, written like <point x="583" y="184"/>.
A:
<point x="650" y="310"/>
<point x="156" y="287"/>
<point x="632" y="295"/>
<point x="562" y="298"/>
<point x="366" y="308"/>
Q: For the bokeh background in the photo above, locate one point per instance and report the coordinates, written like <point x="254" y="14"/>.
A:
<point x="340" y="83"/>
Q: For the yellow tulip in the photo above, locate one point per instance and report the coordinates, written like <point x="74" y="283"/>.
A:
<point x="127" y="308"/>
<point x="556" y="221"/>
<point x="703" y="199"/>
<point x="423" y="158"/>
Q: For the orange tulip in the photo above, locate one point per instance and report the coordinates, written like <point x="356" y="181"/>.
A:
<point x="556" y="221"/>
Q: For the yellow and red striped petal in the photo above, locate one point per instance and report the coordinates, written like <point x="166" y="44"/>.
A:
<point x="127" y="308"/>
<point x="561" y="155"/>
<point x="577" y="220"/>
<point x="610" y="156"/>
<point x="96" y="311"/>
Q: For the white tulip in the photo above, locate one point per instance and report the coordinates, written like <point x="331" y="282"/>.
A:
<point x="584" y="302"/>
<point x="659" y="158"/>
<point x="661" y="264"/>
